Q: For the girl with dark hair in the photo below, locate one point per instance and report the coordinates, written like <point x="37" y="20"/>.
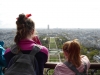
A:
<point x="25" y="39"/>
<point x="71" y="50"/>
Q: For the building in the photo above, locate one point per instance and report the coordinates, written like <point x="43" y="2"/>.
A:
<point x="48" y="27"/>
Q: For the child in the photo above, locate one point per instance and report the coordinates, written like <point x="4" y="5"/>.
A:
<point x="2" y="59"/>
<point x="26" y="39"/>
<point x="71" y="50"/>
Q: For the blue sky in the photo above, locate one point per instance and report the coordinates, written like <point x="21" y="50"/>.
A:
<point x="55" y="13"/>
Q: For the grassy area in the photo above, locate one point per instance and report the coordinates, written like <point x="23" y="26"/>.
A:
<point x="54" y="58"/>
<point x="52" y="43"/>
<point x="52" y="39"/>
<point x="52" y="46"/>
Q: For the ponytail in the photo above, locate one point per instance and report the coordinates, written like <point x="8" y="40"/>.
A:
<point x="73" y="50"/>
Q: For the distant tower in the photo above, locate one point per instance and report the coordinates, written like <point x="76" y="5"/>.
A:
<point x="48" y="27"/>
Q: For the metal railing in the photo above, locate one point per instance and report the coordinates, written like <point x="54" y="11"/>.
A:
<point x="93" y="67"/>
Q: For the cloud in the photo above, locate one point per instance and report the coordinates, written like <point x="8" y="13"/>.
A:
<point x="56" y="13"/>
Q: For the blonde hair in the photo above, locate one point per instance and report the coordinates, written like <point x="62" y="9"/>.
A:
<point x="73" y="50"/>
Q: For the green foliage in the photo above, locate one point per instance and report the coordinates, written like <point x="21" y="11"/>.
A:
<point x="92" y="53"/>
<point x="89" y="52"/>
<point x="60" y="40"/>
<point x="44" y="42"/>
<point x="83" y="50"/>
<point x="62" y="55"/>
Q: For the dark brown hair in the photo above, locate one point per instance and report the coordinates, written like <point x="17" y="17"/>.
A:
<point x="24" y="27"/>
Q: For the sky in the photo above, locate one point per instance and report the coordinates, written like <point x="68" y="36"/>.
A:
<point x="55" y="13"/>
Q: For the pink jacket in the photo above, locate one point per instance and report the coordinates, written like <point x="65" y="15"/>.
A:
<point x="62" y="69"/>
